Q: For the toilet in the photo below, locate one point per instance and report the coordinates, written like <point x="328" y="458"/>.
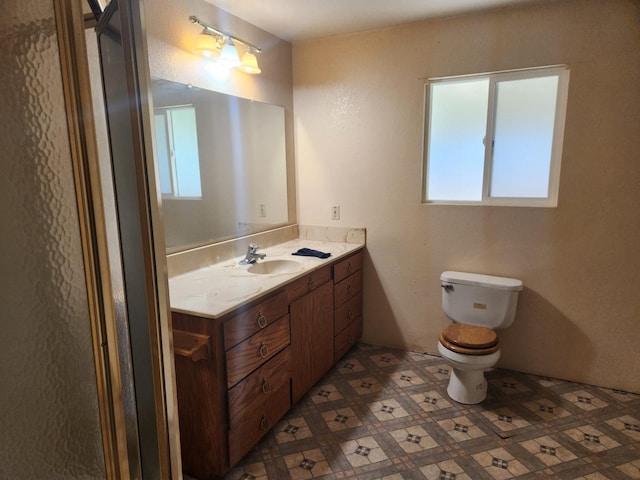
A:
<point x="477" y="304"/>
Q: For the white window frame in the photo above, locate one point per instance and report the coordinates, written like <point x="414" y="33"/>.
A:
<point x="562" y="72"/>
<point x="167" y="112"/>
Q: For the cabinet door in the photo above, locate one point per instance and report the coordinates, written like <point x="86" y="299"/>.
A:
<point x="311" y="338"/>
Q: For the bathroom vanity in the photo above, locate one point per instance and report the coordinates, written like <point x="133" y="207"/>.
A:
<point x="249" y="346"/>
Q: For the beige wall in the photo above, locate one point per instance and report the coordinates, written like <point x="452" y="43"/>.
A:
<point x="358" y="117"/>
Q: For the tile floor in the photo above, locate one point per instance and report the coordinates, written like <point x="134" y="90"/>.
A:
<point x="385" y="414"/>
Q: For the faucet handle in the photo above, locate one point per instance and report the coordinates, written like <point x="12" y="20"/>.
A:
<point x="253" y="248"/>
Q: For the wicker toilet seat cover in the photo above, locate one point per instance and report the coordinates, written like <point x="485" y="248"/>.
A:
<point x="469" y="339"/>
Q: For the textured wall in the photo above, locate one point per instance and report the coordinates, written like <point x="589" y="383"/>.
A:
<point x="49" y="424"/>
<point x="358" y="103"/>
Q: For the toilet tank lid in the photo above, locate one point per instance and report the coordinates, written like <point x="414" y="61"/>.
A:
<point x="490" y="281"/>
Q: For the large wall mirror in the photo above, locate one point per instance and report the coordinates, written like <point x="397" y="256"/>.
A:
<point x="222" y="164"/>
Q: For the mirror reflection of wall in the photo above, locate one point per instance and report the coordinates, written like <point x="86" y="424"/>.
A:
<point x="222" y="164"/>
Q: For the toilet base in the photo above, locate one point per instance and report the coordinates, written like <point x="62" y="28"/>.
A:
<point x="467" y="386"/>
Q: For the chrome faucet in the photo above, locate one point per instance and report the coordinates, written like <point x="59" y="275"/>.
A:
<point x="252" y="255"/>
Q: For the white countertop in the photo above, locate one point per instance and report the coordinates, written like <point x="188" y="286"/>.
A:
<point x="218" y="289"/>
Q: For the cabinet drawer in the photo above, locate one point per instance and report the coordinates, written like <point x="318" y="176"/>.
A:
<point x="254" y="319"/>
<point x="348" y="288"/>
<point x="256" y="350"/>
<point x="347" y="313"/>
<point x="347" y="338"/>
<point x="250" y="394"/>
<point x="246" y="432"/>
<point x="308" y="283"/>
<point x="346" y="267"/>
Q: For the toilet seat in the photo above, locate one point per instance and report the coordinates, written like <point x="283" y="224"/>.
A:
<point x="469" y="339"/>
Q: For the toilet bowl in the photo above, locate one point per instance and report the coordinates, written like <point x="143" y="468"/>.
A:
<point x="477" y="304"/>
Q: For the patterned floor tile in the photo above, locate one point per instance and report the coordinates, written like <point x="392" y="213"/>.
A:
<point x="366" y="385"/>
<point x="413" y="439"/>
<point x="546" y="410"/>
<point x="591" y="438"/>
<point x="256" y="471"/>
<point x="385" y="360"/>
<point x="440" y="371"/>
<point x="395" y="476"/>
<point x="500" y="464"/>
<point x="548" y="451"/>
<point x="341" y="419"/>
<point x="509" y="385"/>
<point x="362" y="421"/>
<point x="309" y="464"/>
<point x="631" y="469"/>
<point x="585" y="400"/>
<point x="325" y="393"/>
<point x="628" y="425"/>
<point x="505" y="419"/>
<point x="388" y="409"/>
<point x="418" y="357"/>
<point x="593" y="476"/>
<point x="292" y="429"/>
<point x="547" y="382"/>
<point x="363" y="451"/>
<point x="406" y="378"/>
<point x="620" y="395"/>
<point x="346" y="367"/>
<point x="447" y="470"/>
<point x="461" y="428"/>
<point x="430" y="401"/>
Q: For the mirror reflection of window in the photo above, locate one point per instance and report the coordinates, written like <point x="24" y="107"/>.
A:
<point x="177" y="150"/>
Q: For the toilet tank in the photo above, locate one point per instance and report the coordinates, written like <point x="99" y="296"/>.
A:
<point x="477" y="299"/>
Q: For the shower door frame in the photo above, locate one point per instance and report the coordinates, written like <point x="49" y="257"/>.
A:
<point x="123" y="445"/>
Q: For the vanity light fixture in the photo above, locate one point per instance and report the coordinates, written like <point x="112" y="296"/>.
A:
<point x="220" y="45"/>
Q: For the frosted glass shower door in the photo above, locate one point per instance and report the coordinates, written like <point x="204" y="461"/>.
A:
<point x="49" y="417"/>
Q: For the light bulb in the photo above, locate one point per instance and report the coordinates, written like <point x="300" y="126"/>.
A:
<point x="229" y="57"/>
<point x="206" y="46"/>
<point x="250" y="62"/>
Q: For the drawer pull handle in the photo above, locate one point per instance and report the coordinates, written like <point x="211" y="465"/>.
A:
<point x="349" y="268"/>
<point x="264" y="423"/>
<point x="264" y="350"/>
<point x="349" y="314"/>
<point x="262" y="320"/>
<point x="266" y="387"/>
<point x="311" y="284"/>
<point x="350" y="339"/>
<point x="350" y="289"/>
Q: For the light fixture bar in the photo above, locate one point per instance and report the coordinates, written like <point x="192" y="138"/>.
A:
<point x="217" y="31"/>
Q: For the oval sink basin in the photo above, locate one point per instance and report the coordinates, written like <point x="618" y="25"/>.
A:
<point x="274" y="266"/>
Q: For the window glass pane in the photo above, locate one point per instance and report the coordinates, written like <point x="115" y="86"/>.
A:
<point x="457" y="126"/>
<point x="164" y="161"/>
<point x="524" y="123"/>
<point x="185" y="144"/>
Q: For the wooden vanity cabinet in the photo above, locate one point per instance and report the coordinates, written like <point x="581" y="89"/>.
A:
<point x="236" y="376"/>
<point x="347" y="277"/>
<point x="230" y="399"/>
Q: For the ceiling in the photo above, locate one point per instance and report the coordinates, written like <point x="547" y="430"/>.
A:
<point x="297" y="20"/>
